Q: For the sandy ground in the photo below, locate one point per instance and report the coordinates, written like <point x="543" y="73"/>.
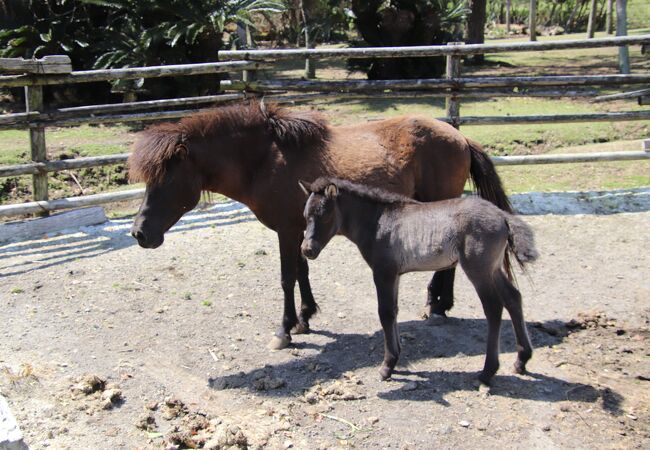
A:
<point x="105" y="345"/>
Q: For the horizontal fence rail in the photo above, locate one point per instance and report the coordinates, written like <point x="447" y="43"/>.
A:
<point x="429" y="50"/>
<point x="131" y="73"/>
<point x="452" y="87"/>
<point x="135" y="194"/>
<point x="451" y="83"/>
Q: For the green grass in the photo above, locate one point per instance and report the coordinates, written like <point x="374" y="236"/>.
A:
<point x="84" y="140"/>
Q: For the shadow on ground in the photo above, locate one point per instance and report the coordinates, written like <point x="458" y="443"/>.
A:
<point x="457" y="337"/>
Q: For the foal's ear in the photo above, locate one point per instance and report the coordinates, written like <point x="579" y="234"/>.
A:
<point x="304" y="186"/>
<point x="331" y="191"/>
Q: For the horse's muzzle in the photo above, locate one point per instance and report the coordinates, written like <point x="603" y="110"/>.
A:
<point x="310" y="250"/>
<point x="145" y="241"/>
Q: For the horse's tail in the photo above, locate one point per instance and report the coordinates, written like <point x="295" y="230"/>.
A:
<point x="521" y="242"/>
<point x="485" y="178"/>
<point x="488" y="186"/>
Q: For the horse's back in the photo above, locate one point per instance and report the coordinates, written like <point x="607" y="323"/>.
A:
<point x="413" y="155"/>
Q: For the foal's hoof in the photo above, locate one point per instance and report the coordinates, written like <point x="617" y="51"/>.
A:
<point x="301" y="328"/>
<point x="436" y="319"/>
<point x="279" y="342"/>
<point x="520" y="367"/>
<point x="385" y="372"/>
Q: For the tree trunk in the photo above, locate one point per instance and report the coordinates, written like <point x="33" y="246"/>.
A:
<point x="608" y="18"/>
<point x="621" y="30"/>
<point x="591" y="25"/>
<point x="532" y="21"/>
<point x="508" y="7"/>
<point x="476" y="26"/>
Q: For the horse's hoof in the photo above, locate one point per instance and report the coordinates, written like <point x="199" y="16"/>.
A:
<point x="301" y="328"/>
<point x="279" y="342"/>
<point x="485" y="379"/>
<point x="385" y="372"/>
<point x="436" y="319"/>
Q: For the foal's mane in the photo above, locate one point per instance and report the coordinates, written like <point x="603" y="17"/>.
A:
<point x="156" y="145"/>
<point x="370" y="193"/>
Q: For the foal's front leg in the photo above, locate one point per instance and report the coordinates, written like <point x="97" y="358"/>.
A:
<point x="308" y="306"/>
<point x="289" y="248"/>
<point x="387" y="284"/>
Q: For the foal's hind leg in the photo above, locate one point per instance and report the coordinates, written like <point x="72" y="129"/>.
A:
<point x="512" y="301"/>
<point x="493" y="308"/>
<point x="308" y="306"/>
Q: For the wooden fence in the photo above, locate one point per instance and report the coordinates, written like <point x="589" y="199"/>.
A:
<point x="33" y="75"/>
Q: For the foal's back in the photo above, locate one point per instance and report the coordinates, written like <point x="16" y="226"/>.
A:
<point x="437" y="235"/>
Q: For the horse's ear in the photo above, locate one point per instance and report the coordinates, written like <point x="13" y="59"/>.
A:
<point x="331" y="191"/>
<point x="304" y="186"/>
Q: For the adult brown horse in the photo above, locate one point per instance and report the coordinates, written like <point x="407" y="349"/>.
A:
<point x="256" y="154"/>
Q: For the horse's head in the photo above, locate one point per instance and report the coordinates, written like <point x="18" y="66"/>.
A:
<point x="321" y="215"/>
<point x="173" y="186"/>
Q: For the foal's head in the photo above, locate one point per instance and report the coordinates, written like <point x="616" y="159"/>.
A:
<point x="322" y="217"/>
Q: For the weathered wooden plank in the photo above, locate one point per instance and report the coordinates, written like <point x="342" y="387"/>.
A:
<point x="34" y="228"/>
<point x="569" y="158"/>
<point x="428" y="50"/>
<point x="64" y="164"/>
<point x="47" y="65"/>
<point x="129" y="73"/>
<point x="441" y="83"/>
<point x="69" y="203"/>
<point x="556" y="118"/>
<point x="621" y="96"/>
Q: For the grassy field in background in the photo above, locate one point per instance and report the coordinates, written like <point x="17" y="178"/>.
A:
<point x="498" y="140"/>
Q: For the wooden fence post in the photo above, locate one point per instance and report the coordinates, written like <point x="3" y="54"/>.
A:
<point x="33" y="103"/>
<point x="248" y="75"/>
<point x="452" y="103"/>
<point x="621" y="30"/>
<point x="532" y="20"/>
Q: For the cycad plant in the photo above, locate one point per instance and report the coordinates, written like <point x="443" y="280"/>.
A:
<point x="391" y="23"/>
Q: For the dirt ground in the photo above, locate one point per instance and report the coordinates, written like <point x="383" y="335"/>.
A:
<point x="104" y="345"/>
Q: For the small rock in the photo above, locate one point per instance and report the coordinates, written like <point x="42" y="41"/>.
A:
<point x="373" y="420"/>
<point x="146" y="422"/>
<point x="464" y="423"/>
<point x="287" y="444"/>
<point x="410" y="386"/>
<point x="341" y="315"/>
<point x="111" y="397"/>
<point x="546" y="428"/>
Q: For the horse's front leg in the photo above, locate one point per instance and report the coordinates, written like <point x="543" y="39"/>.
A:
<point x="308" y="306"/>
<point x="289" y="248"/>
<point x="440" y="298"/>
<point x="387" y="285"/>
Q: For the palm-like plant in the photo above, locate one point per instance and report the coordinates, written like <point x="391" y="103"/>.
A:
<point x="386" y="23"/>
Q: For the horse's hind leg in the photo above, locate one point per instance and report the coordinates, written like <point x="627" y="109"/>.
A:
<point x="308" y="306"/>
<point x="512" y="301"/>
<point x="440" y="298"/>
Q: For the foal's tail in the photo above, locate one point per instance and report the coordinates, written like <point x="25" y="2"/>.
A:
<point x="521" y="242"/>
<point x="488" y="186"/>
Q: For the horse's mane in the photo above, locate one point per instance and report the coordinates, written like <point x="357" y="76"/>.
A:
<point x="158" y="144"/>
<point x="361" y="190"/>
